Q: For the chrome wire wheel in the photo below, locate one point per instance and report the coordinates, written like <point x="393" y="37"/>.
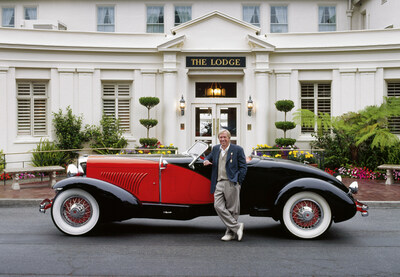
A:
<point x="306" y="215"/>
<point x="75" y="212"/>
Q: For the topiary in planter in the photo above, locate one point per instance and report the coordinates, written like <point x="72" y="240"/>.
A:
<point x="285" y="106"/>
<point x="149" y="103"/>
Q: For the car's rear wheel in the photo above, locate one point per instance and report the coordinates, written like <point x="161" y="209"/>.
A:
<point x="306" y="215"/>
<point x="75" y="212"/>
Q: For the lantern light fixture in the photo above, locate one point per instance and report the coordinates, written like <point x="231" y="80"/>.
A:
<point x="182" y="105"/>
<point x="250" y="106"/>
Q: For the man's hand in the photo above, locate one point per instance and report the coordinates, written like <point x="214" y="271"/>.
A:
<point x="207" y="162"/>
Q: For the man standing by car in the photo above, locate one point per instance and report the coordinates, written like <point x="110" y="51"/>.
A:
<point x="228" y="172"/>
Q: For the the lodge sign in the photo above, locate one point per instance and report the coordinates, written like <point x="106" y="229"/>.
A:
<point x="215" y="61"/>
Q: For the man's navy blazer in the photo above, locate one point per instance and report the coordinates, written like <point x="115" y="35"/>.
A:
<point x="236" y="166"/>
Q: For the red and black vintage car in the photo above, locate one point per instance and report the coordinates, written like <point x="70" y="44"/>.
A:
<point x="114" y="188"/>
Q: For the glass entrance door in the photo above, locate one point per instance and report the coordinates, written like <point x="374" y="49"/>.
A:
<point x="210" y="119"/>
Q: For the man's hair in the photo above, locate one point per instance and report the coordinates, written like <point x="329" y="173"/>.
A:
<point x="225" y="131"/>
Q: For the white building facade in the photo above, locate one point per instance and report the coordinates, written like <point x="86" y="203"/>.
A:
<point x="102" y="56"/>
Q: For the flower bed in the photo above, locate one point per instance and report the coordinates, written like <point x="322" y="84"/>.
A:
<point x="361" y="173"/>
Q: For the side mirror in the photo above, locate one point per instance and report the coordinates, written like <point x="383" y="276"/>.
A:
<point x="72" y="170"/>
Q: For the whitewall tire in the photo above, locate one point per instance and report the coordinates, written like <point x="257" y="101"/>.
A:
<point x="306" y="215"/>
<point x="75" y="212"/>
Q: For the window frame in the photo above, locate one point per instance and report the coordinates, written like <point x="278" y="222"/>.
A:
<point x="286" y="25"/>
<point x="38" y="115"/>
<point x="249" y="21"/>
<point x="150" y="25"/>
<point x="322" y="26"/>
<point x="2" y="16"/>
<point x="104" y="25"/>
<point x="125" y="121"/>
<point x="316" y="101"/>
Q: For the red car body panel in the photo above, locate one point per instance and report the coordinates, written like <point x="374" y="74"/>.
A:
<point x="141" y="178"/>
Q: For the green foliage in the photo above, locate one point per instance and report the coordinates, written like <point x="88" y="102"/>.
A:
<point x="362" y="138"/>
<point x="285" y="125"/>
<point x="108" y="135"/>
<point x="148" y="123"/>
<point x="68" y="130"/>
<point x="285" y="141"/>
<point x="284" y="105"/>
<point x="2" y="161"/>
<point x="47" y="153"/>
<point x="148" y="102"/>
<point x="307" y="118"/>
<point x="148" y="142"/>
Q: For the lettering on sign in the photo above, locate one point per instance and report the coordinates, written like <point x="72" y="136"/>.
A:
<point x="215" y="61"/>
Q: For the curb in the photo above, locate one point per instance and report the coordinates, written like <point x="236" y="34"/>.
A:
<point x="10" y="202"/>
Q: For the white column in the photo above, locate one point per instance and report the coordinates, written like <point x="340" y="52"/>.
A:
<point x="169" y="108"/>
<point x="66" y="87"/>
<point x="85" y="95"/>
<point x="261" y="106"/>
<point x="3" y="109"/>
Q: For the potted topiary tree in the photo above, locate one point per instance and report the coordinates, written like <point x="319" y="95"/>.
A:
<point x="149" y="103"/>
<point x="285" y="106"/>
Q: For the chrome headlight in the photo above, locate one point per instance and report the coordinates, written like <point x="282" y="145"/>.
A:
<point x="353" y="188"/>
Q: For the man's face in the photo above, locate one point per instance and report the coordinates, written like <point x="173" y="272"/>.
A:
<point x="224" y="140"/>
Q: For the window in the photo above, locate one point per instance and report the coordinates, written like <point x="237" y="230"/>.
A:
<point x="117" y="102"/>
<point x="327" y="19"/>
<point x="105" y="19"/>
<point x="251" y="14"/>
<point x="30" y="13"/>
<point x="216" y="90"/>
<point x="316" y="98"/>
<point x="32" y="108"/>
<point x="279" y="22"/>
<point x="394" y="91"/>
<point x="155" y="19"/>
<point x="182" y="14"/>
<point x="8" y="17"/>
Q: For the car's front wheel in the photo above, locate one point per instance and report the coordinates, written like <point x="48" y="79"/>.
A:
<point x="75" y="212"/>
<point x="306" y="215"/>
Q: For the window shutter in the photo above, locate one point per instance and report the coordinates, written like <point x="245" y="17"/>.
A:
<point x="124" y="106"/>
<point x="116" y="103"/>
<point x="109" y="100"/>
<point x="32" y="108"/>
<point x="307" y="102"/>
<point x="394" y="121"/>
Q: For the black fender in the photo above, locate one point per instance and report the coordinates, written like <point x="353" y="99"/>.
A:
<point x="342" y="204"/>
<point x="115" y="203"/>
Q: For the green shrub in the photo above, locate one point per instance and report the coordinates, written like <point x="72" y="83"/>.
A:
<point x="47" y="153"/>
<point x="2" y="161"/>
<point x="68" y="129"/>
<point x="284" y="105"/>
<point x="149" y="103"/>
<point x="148" y="142"/>
<point x="108" y="135"/>
<point x="148" y="123"/>
<point x="285" y="141"/>
<point x="285" y="125"/>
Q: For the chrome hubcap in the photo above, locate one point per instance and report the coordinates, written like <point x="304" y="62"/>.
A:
<point x="76" y="211"/>
<point x="306" y="214"/>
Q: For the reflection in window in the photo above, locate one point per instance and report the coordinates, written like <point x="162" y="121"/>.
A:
<point x="327" y="19"/>
<point x="279" y="21"/>
<point x="30" y="13"/>
<point x="251" y="14"/>
<point x="155" y="19"/>
<point x="182" y="14"/>
<point x="8" y="17"/>
<point x="105" y="19"/>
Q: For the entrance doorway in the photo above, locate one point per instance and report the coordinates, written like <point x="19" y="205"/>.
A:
<point x="210" y="119"/>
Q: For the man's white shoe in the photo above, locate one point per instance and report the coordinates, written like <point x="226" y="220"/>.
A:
<point x="228" y="237"/>
<point x="240" y="231"/>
